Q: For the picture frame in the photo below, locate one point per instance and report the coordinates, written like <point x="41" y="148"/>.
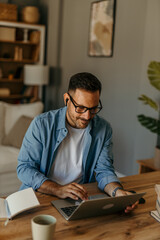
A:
<point x="102" y="25"/>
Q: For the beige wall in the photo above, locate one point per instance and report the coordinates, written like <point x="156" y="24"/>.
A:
<point x="123" y="76"/>
<point x="145" y="141"/>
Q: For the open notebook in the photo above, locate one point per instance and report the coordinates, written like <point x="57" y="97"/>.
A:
<point x="17" y="203"/>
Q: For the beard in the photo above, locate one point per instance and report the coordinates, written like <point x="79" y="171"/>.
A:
<point x="77" y="122"/>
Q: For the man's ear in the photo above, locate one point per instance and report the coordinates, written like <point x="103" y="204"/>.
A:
<point x="66" y="99"/>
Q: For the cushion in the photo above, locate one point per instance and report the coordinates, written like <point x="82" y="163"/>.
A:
<point x="1" y="121"/>
<point x="9" y="181"/>
<point x="16" y="134"/>
<point x="8" y="157"/>
<point x="14" y="111"/>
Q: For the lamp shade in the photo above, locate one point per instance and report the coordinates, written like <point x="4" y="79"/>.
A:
<point x="36" y="75"/>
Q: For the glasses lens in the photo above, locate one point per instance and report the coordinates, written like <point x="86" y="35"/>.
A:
<point x="80" y="109"/>
<point x="92" y="111"/>
<point x="95" y="110"/>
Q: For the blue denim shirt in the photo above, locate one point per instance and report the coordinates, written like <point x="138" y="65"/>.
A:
<point x="41" y="142"/>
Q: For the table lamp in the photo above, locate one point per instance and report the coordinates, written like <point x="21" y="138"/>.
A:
<point x="36" y="75"/>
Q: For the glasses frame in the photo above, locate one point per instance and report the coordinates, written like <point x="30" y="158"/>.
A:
<point x="86" y="108"/>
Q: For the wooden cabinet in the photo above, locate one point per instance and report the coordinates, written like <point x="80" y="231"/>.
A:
<point x="20" y="44"/>
<point x="147" y="165"/>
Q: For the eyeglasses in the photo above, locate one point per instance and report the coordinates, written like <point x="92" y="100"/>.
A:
<point x="83" y="109"/>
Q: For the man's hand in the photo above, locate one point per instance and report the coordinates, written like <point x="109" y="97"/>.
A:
<point x="72" y="190"/>
<point x="109" y="188"/>
<point x="121" y="192"/>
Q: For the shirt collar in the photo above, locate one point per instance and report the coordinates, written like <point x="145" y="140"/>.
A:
<point x="62" y="119"/>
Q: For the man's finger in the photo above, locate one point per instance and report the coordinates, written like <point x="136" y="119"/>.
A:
<point x="77" y="192"/>
<point x="80" y="189"/>
<point x="80" y="186"/>
<point x="71" y="195"/>
<point x="130" y="208"/>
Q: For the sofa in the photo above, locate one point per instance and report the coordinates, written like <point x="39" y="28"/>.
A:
<point x="14" y="121"/>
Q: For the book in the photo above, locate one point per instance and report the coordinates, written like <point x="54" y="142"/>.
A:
<point x="158" y="198"/>
<point x="18" y="202"/>
<point x="155" y="215"/>
<point x="158" y="207"/>
<point x="157" y="189"/>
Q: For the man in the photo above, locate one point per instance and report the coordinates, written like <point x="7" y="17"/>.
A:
<point x="65" y="148"/>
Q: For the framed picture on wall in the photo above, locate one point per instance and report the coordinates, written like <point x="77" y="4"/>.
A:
<point x="102" y="23"/>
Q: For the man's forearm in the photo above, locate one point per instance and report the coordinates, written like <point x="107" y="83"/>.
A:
<point x="109" y="188"/>
<point x="72" y="190"/>
<point x="48" y="187"/>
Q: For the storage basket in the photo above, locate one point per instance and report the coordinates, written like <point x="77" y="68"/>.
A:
<point x="8" y="12"/>
<point x="7" y="33"/>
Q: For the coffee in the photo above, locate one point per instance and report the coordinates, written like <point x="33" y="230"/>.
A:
<point x="43" y="222"/>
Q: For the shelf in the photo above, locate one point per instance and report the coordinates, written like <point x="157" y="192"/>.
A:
<point x="18" y="42"/>
<point x="22" y="25"/>
<point x="15" y="80"/>
<point x="16" y="96"/>
<point x="11" y="60"/>
<point x="27" y="52"/>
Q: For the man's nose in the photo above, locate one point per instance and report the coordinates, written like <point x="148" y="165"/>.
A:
<point x="87" y="115"/>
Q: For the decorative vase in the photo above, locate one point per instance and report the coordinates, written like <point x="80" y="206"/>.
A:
<point x="157" y="158"/>
<point x="30" y="14"/>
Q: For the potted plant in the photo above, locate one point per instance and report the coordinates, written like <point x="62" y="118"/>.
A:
<point x="150" y="123"/>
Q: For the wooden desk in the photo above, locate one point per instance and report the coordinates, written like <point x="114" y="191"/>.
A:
<point x="147" y="165"/>
<point x="138" y="225"/>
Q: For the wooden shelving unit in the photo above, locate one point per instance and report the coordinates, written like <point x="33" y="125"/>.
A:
<point x="6" y="80"/>
<point x="32" y="53"/>
<point x="25" y="61"/>
<point x="15" y="97"/>
<point x="18" y="42"/>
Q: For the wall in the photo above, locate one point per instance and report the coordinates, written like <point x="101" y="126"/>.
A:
<point x="120" y="75"/>
<point x="145" y="141"/>
<point x="123" y="76"/>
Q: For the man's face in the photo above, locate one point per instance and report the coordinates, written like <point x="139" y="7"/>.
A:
<point x="83" y="98"/>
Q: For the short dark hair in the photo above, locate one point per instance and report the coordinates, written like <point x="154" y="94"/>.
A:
<point x="84" y="80"/>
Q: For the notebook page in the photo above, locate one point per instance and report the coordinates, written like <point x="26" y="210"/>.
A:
<point x="21" y="201"/>
<point x="3" y="212"/>
<point x="155" y="215"/>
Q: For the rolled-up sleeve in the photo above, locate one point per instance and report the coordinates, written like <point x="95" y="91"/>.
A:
<point x="104" y="169"/>
<point x="28" y="169"/>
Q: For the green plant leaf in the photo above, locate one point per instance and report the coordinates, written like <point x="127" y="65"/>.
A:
<point x="150" y="123"/>
<point x="149" y="101"/>
<point x="154" y="74"/>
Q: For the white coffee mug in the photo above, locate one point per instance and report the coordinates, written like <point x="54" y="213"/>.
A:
<point x="43" y="227"/>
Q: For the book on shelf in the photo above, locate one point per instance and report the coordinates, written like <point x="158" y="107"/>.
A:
<point x="18" y="202"/>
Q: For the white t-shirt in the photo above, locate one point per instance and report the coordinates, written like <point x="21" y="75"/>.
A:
<point x="67" y="166"/>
